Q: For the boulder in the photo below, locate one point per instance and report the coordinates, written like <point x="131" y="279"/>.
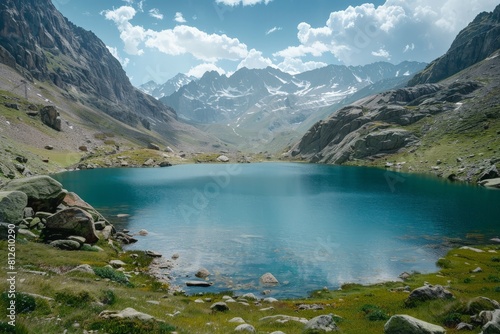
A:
<point x="399" y="324"/>
<point x="202" y="284"/>
<point x="245" y="328"/>
<point x="44" y="193"/>
<point x="117" y="263"/>
<point x="489" y="173"/>
<point x="250" y="296"/>
<point x="12" y="204"/>
<point x="50" y="117"/>
<point x="429" y="292"/>
<point x="71" y="221"/>
<point x="223" y="158"/>
<point x="66" y="244"/>
<point x="493" y="326"/>
<point x="153" y="146"/>
<point x="28" y="212"/>
<point x="237" y="320"/>
<point x="219" y="307"/>
<point x="202" y="273"/>
<point x="165" y="164"/>
<point x="83" y="268"/>
<point x="478" y="304"/>
<point x="268" y="279"/>
<point x="152" y="253"/>
<point x="128" y="313"/>
<point x="322" y="323"/>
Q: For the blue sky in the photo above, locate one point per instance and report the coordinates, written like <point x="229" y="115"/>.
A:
<point x="156" y="39"/>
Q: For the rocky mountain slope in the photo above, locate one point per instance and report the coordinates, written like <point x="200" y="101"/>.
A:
<point x="451" y="128"/>
<point x="474" y="43"/>
<point x="168" y="88"/>
<point x="45" y="60"/>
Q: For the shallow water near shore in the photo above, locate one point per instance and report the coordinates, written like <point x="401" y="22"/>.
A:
<point x="310" y="225"/>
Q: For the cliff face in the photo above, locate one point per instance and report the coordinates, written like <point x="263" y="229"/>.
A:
<point x="474" y="43"/>
<point x="42" y="44"/>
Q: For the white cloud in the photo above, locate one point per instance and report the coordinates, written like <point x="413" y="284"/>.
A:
<point x="177" y="41"/>
<point x="242" y="2"/>
<point x="131" y="35"/>
<point x="155" y="12"/>
<point x="295" y="65"/>
<point x="179" y="18"/>
<point x="354" y="35"/>
<point x="382" y="53"/>
<point x="199" y="70"/>
<point x="255" y="59"/>
<point x="114" y="51"/>
<point x="274" y="29"/>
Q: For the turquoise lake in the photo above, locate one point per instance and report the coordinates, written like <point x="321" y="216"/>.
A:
<point x="311" y="226"/>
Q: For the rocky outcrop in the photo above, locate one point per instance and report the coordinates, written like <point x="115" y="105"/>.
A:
<point x="322" y="323"/>
<point x="399" y="324"/>
<point x="12" y="204"/>
<point x="429" y="292"/>
<point x="50" y="117"/>
<point x="68" y="222"/>
<point x="44" y="193"/>
<point x="474" y="43"/>
<point x="42" y="44"/>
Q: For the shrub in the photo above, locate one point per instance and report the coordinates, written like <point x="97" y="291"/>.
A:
<point x="374" y="313"/>
<point x="24" y="303"/>
<point x="8" y="329"/>
<point x="495" y="259"/>
<point x="108" y="297"/>
<point x="467" y="280"/>
<point x="443" y="263"/>
<point x="110" y="273"/>
<point x="74" y="300"/>
<point x="131" y="327"/>
<point x="452" y="319"/>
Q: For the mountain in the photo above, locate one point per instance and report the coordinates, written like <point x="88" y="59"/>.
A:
<point x="255" y="103"/>
<point x="168" y="88"/>
<point x="450" y="128"/>
<point x="474" y="43"/>
<point x="43" y="45"/>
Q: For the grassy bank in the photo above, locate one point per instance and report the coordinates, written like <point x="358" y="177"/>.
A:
<point x="72" y="301"/>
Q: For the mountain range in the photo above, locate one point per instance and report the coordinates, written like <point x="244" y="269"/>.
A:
<point x="168" y="88"/>
<point x="446" y="121"/>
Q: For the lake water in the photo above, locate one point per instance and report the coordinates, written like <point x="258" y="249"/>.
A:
<point x="310" y="225"/>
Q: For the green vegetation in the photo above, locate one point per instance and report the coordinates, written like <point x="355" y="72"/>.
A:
<point x="79" y="298"/>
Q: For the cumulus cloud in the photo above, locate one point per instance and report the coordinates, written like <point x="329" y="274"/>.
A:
<point x="179" y="18"/>
<point x="354" y="35"/>
<point x="255" y="59"/>
<point x="274" y="29"/>
<point x="155" y="12"/>
<point x="296" y="65"/>
<point x="199" y="70"/>
<point x="114" y="51"/>
<point x="242" y="2"/>
<point x="177" y="41"/>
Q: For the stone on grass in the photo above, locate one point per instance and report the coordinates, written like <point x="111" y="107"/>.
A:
<point x="464" y="327"/>
<point x="430" y="292"/>
<point x="223" y="158"/>
<point x="219" y="307"/>
<point x="66" y="244"/>
<point x="237" y="320"/>
<point x="128" y="313"/>
<point x="493" y="326"/>
<point x="152" y="253"/>
<point x="245" y="328"/>
<point x="83" y="268"/>
<point x="323" y="323"/>
<point x="250" y="296"/>
<point x="117" y="263"/>
<point x="401" y="323"/>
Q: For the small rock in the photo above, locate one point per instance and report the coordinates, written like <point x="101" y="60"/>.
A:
<point x="143" y="232"/>
<point x="249" y="296"/>
<point x="199" y="301"/>
<point x="153" y="146"/>
<point x="404" y="276"/>
<point x="464" y="326"/>
<point x="322" y="323"/>
<point x="152" y="253"/>
<point x="203" y="284"/>
<point x="175" y="256"/>
<point x="26" y="233"/>
<point x="245" y="328"/>
<point x="84" y="268"/>
<point x="237" y="320"/>
<point x="49" y="147"/>
<point x="80" y="240"/>
<point x="128" y="313"/>
<point x="202" y="273"/>
<point x="66" y="244"/>
<point x="398" y="324"/>
<point x="270" y="300"/>
<point x="165" y="164"/>
<point x="219" y="307"/>
<point x="268" y="279"/>
<point x="430" y="292"/>
<point x="148" y="162"/>
<point x="472" y="249"/>
<point x="223" y="158"/>
<point x="117" y="263"/>
<point x="477" y="270"/>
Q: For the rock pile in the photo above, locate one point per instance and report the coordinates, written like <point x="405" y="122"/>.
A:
<point x="40" y="208"/>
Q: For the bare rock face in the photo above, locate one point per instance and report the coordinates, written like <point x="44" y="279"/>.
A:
<point x="398" y="324"/>
<point x="70" y="222"/>
<point x="50" y="117"/>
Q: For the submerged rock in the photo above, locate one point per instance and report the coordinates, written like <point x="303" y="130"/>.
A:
<point x="268" y="279"/>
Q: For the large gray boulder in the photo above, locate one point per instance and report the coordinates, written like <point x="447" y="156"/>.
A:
<point x="404" y="324"/>
<point x="429" y="292"/>
<point x="44" y="193"/>
<point x="493" y="326"/>
<point x="50" y="117"/>
<point x="70" y="222"/>
<point x="322" y="323"/>
<point x="12" y="204"/>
